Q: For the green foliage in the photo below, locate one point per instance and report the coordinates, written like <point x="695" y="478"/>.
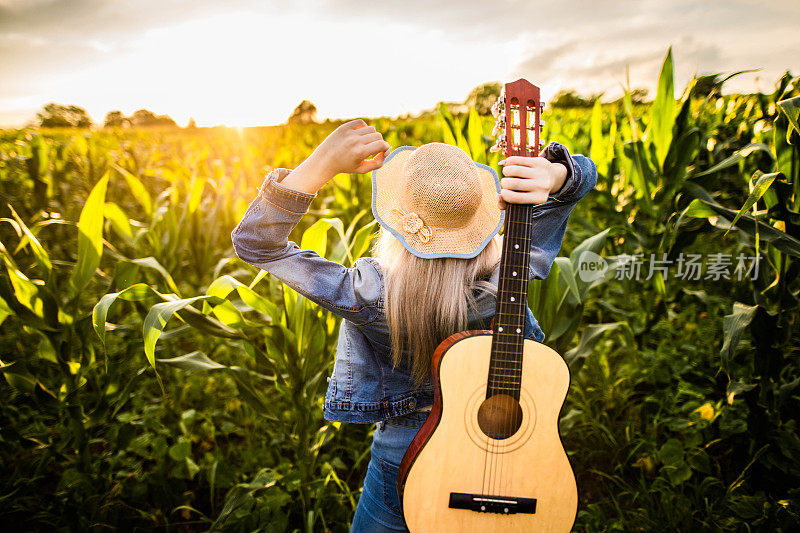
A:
<point x="143" y="118"/>
<point x="483" y="96"/>
<point x="570" y="98"/>
<point x="116" y="119"/>
<point x="152" y="380"/>
<point x="304" y="113"/>
<point x="55" y="115"/>
<point x="662" y="118"/>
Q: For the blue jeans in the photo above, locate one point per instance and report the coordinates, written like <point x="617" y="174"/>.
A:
<point x="378" y="507"/>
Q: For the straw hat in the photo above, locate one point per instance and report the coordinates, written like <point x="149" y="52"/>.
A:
<point x="437" y="201"/>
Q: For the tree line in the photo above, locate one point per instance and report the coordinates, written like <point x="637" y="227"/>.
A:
<point x="481" y="98"/>
<point x="55" y="115"/>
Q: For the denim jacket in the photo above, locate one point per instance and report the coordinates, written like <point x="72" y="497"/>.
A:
<point x="364" y="387"/>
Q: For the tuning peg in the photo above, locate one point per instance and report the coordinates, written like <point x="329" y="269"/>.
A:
<point x="541" y="104"/>
<point x="498" y="107"/>
<point x="541" y="143"/>
<point x="500" y="144"/>
<point x="499" y="126"/>
<point x="541" y="123"/>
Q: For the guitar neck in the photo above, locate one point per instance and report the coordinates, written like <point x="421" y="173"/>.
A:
<point x="505" y="367"/>
<point x="512" y="288"/>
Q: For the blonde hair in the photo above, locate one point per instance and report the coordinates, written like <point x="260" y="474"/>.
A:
<point x="427" y="300"/>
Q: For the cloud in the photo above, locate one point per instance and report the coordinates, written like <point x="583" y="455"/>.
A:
<point x="132" y="53"/>
<point x="109" y="19"/>
<point x="498" y="20"/>
<point x="579" y="65"/>
<point x="545" y="59"/>
<point x="589" y="45"/>
<point x="33" y="60"/>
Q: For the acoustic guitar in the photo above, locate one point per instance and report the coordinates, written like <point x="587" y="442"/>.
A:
<point x="489" y="457"/>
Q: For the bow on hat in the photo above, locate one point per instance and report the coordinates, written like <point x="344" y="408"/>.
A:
<point x="411" y="223"/>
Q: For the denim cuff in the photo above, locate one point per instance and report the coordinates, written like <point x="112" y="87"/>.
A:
<point x="558" y="153"/>
<point x="282" y="196"/>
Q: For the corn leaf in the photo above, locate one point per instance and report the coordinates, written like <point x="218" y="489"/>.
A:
<point x="762" y="183"/>
<point x="735" y="158"/>
<point x="447" y="124"/>
<point x="315" y="238"/>
<point x="599" y="147"/>
<point x="193" y="361"/>
<point x="475" y="136"/>
<point x="152" y="263"/>
<point x="25" y="291"/>
<point x="589" y="337"/>
<point x="90" y="237"/>
<point x="663" y="111"/>
<point x="361" y="242"/>
<point x="777" y="238"/>
<point x="137" y="189"/>
<point x="119" y="221"/>
<point x="134" y="293"/>
<point x="733" y="326"/>
<point x="156" y="320"/>
<point x="224" y="285"/>
<point x="791" y="108"/>
<point x="196" y="194"/>
<point x="39" y="253"/>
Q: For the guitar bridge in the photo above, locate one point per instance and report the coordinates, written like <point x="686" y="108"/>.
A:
<point x="486" y="503"/>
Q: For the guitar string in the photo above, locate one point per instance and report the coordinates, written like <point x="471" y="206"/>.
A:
<point x="506" y="420"/>
<point x="514" y="231"/>
<point x="484" y="489"/>
<point x="513" y="227"/>
<point x="520" y="222"/>
<point x="498" y="326"/>
<point x="514" y="378"/>
<point x="508" y="242"/>
<point x="496" y="467"/>
<point x="519" y="211"/>
<point x="527" y="230"/>
<point x="522" y="216"/>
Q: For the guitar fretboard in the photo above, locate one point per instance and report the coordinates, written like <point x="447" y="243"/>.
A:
<point x="505" y="367"/>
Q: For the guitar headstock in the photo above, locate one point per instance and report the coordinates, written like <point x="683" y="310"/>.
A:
<point x="518" y="111"/>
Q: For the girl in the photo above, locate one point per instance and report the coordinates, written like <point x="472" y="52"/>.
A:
<point x="434" y="271"/>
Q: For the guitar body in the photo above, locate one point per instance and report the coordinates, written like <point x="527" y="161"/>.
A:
<point x="452" y="455"/>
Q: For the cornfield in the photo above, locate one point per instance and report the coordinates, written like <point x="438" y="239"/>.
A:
<point x="150" y="379"/>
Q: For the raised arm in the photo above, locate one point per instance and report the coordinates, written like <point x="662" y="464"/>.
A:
<point x="261" y="237"/>
<point x="543" y="182"/>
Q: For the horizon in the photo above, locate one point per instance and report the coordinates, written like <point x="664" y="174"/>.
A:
<point x="319" y="120"/>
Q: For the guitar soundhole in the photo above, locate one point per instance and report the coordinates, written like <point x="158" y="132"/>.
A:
<point x="500" y="416"/>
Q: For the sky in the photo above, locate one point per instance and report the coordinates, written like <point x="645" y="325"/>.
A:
<point x="246" y="63"/>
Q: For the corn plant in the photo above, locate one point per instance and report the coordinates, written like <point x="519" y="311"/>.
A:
<point x="768" y="376"/>
<point x="49" y="310"/>
<point x="289" y="342"/>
